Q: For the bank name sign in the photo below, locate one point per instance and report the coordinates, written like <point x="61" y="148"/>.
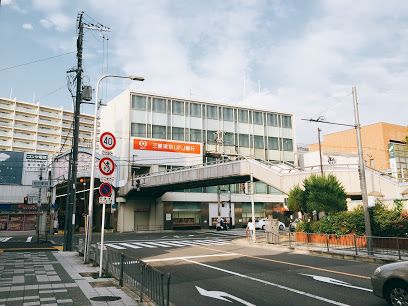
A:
<point x="166" y="152"/>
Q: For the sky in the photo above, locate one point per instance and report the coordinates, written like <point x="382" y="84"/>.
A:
<point x="301" y="57"/>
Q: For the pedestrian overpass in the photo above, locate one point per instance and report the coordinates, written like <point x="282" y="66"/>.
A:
<point x="281" y="176"/>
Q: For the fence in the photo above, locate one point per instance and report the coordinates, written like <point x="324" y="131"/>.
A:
<point x="354" y="244"/>
<point x="135" y="273"/>
<point x="142" y="228"/>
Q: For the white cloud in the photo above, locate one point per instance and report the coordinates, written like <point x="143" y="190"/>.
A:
<point x="57" y="21"/>
<point x="13" y="5"/>
<point x="47" y="5"/>
<point x="27" y="26"/>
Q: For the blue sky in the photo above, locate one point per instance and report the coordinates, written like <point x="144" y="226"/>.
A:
<point x="301" y="57"/>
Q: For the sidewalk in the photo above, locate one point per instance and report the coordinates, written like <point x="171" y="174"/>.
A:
<point x="55" y="278"/>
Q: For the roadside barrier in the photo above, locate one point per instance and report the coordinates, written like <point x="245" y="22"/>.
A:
<point x="133" y="272"/>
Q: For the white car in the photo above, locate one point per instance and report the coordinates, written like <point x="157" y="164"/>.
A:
<point x="260" y="224"/>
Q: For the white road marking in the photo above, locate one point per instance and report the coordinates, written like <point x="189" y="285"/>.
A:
<point x="112" y="245"/>
<point x="190" y="257"/>
<point x="29" y="239"/>
<point x="159" y="244"/>
<point x="269" y="283"/>
<point x="130" y="245"/>
<point x="145" y="244"/>
<point x="334" y="281"/>
<point x="224" y="296"/>
<point x="4" y="239"/>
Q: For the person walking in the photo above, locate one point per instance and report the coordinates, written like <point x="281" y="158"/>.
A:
<point x="250" y="230"/>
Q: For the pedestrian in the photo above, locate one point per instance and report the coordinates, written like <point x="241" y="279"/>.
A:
<point x="250" y="230"/>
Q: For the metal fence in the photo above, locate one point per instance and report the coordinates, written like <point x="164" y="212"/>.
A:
<point x="349" y="244"/>
<point x="142" y="228"/>
<point x="138" y="275"/>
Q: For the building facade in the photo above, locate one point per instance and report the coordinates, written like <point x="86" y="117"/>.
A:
<point x="29" y="127"/>
<point x="220" y="130"/>
<point x="376" y="139"/>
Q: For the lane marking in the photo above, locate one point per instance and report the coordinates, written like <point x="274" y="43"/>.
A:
<point x="223" y="296"/>
<point x="295" y="264"/>
<point x="190" y="257"/>
<point x="29" y="239"/>
<point x="4" y="239"/>
<point x="159" y="244"/>
<point x="270" y="283"/>
<point x="144" y="244"/>
<point x="114" y="246"/>
<point x="336" y="282"/>
<point x="172" y="239"/>
<point x="130" y="245"/>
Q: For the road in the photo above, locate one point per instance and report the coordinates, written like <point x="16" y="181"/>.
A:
<point x="212" y="268"/>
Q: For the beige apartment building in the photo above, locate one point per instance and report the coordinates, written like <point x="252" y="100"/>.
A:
<point x="30" y="127"/>
<point x="377" y="141"/>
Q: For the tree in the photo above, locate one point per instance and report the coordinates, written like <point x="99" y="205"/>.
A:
<point x="324" y="193"/>
<point x="296" y="199"/>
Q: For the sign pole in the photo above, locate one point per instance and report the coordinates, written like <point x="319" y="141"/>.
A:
<point x="102" y="240"/>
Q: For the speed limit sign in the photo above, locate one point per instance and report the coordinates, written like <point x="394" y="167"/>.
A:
<point x="108" y="141"/>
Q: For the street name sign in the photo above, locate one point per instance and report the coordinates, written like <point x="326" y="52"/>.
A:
<point x="39" y="184"/>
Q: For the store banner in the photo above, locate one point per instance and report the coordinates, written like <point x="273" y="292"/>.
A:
<point x="11" y="167"/>
<point x="148" y="151"/>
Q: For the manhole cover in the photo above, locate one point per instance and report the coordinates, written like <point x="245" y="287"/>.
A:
<point x="105" y="298"/>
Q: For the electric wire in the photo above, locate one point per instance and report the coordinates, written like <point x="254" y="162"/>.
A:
<point x="35" y="61"/>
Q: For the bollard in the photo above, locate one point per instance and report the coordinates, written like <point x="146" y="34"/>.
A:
<point x="122" y="257"/>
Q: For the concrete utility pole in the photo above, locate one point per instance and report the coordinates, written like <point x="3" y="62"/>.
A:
<point x="39" y="207"/>
<point x="320" y="151"/>
<point x="361" y="170"/>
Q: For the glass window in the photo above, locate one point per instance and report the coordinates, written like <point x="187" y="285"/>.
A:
<point x="244" y="140"/>
<point x="138" y="130"/>
<point x="212" y="112"/>
<point x="272" y="120"/>
<point x="261" y="188"/>
<point x="177" y="133"/>
<point x="178" y="108"/>
<point x="159" y="105"/>
<point x="259" y="142"/>
<point x="195" y="110"/>
<point x="139" y="102"/>
<point x="229" y="139"/>
<point x="273" y="143"/>
<point x="228" y="114"/>
<point x="243" y="116"/>
<point x="211" y="137"/>
<point x="159" y="131"/>
<point x="287" y="144"/>
<point x="195" y="135"/>
<point x="258" y="118"/>
<point x="286" y="122"/>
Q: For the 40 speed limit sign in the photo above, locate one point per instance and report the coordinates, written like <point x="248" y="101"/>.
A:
<point x="107" y="141"/>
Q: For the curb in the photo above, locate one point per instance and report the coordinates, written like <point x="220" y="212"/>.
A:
<point x="9" y="250"/>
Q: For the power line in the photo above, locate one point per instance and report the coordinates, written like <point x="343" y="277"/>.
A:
<point x="36" y="61"/>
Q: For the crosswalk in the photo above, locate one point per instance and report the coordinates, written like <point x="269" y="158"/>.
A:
<point x="165" y="243"/>
<point x="5" y="239"/>
<point x="18" y="239"/>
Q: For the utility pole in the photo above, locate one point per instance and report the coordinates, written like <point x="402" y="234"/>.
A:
<point x="71" y="192"/>
<point x="361" y="170"/>
<point x="39" y="207"/>
<point x="320" y="151"/>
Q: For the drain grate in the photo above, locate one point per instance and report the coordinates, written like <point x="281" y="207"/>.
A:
<point x="102" y="284"/>
<point x="106" y="298"/>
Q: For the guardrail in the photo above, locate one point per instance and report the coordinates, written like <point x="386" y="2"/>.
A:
<point x="353" y="244"/>
<point x="133" y="272"/>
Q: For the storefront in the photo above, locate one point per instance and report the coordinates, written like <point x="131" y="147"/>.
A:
<point x="17" y="217"/>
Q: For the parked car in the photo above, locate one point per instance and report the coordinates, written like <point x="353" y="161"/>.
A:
<point x="390" y="282"/>
<point x="260" y="224"/>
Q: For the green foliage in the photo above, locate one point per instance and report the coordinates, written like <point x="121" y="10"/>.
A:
<point x="324" y="193"/>
<point x="296" y="201"/>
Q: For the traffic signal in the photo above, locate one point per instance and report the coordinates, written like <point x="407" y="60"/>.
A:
<point x="26" y="200"/>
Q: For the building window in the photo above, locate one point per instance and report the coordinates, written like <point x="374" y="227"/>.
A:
<point x="159" y="131"/>
<point x="243" y="116"/>
<point x="195" y="110"/>
<point x="287" y="144"/>
<point x="177" y="133"/>
<point x="259" y="144"/>
<point x="139" y="102"/>
<point x="229" y="139"/>
<point x="273" y="143"/>
<point x="272" y="120"/>
<point x="286" y="122"/>
<point x="228" y="114"/>
<point x="244" y="140"/>
<point x="258" y="118"/>
<point x="138" y="130"/>
<point x="211" y="137"/>
<point x="159" y="105"/>
<point x="195" y="135"/>
<point x="212" y="112"/>
<point x="178" y="108"/>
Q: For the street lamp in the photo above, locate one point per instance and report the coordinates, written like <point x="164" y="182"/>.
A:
<point x="88" y="237"/>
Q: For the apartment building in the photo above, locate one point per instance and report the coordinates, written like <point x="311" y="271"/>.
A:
<point x="30" y="127"/>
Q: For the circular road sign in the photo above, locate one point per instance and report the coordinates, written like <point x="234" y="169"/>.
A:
<point x="106" y="166"/>
<point x="105" y="190"/>
<point x="107" y="141"/>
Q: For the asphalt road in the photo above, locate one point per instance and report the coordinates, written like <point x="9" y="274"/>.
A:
<point x="211" y="268"/>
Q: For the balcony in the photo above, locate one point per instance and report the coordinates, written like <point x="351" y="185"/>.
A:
<point x="86" y="128"/>
<point x="5" y="123"/>
<point x="6" y="106"/>
<point x="24" y="136"/>
<point x="23" y="145"/>
<point x="50" y="114"/>
<point x="5" y="142"/>
<point x="86" y="121"/>
<point x="49" y="122"/>
<point x="31" y="119"/>
<point x="6" y="115"/>
<point x="49" y="139"/>
<point x="26" y="109"/>
<point x="48" y="131"/>
<point x="24" y="127"/>
<point x="5" y="133"/>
